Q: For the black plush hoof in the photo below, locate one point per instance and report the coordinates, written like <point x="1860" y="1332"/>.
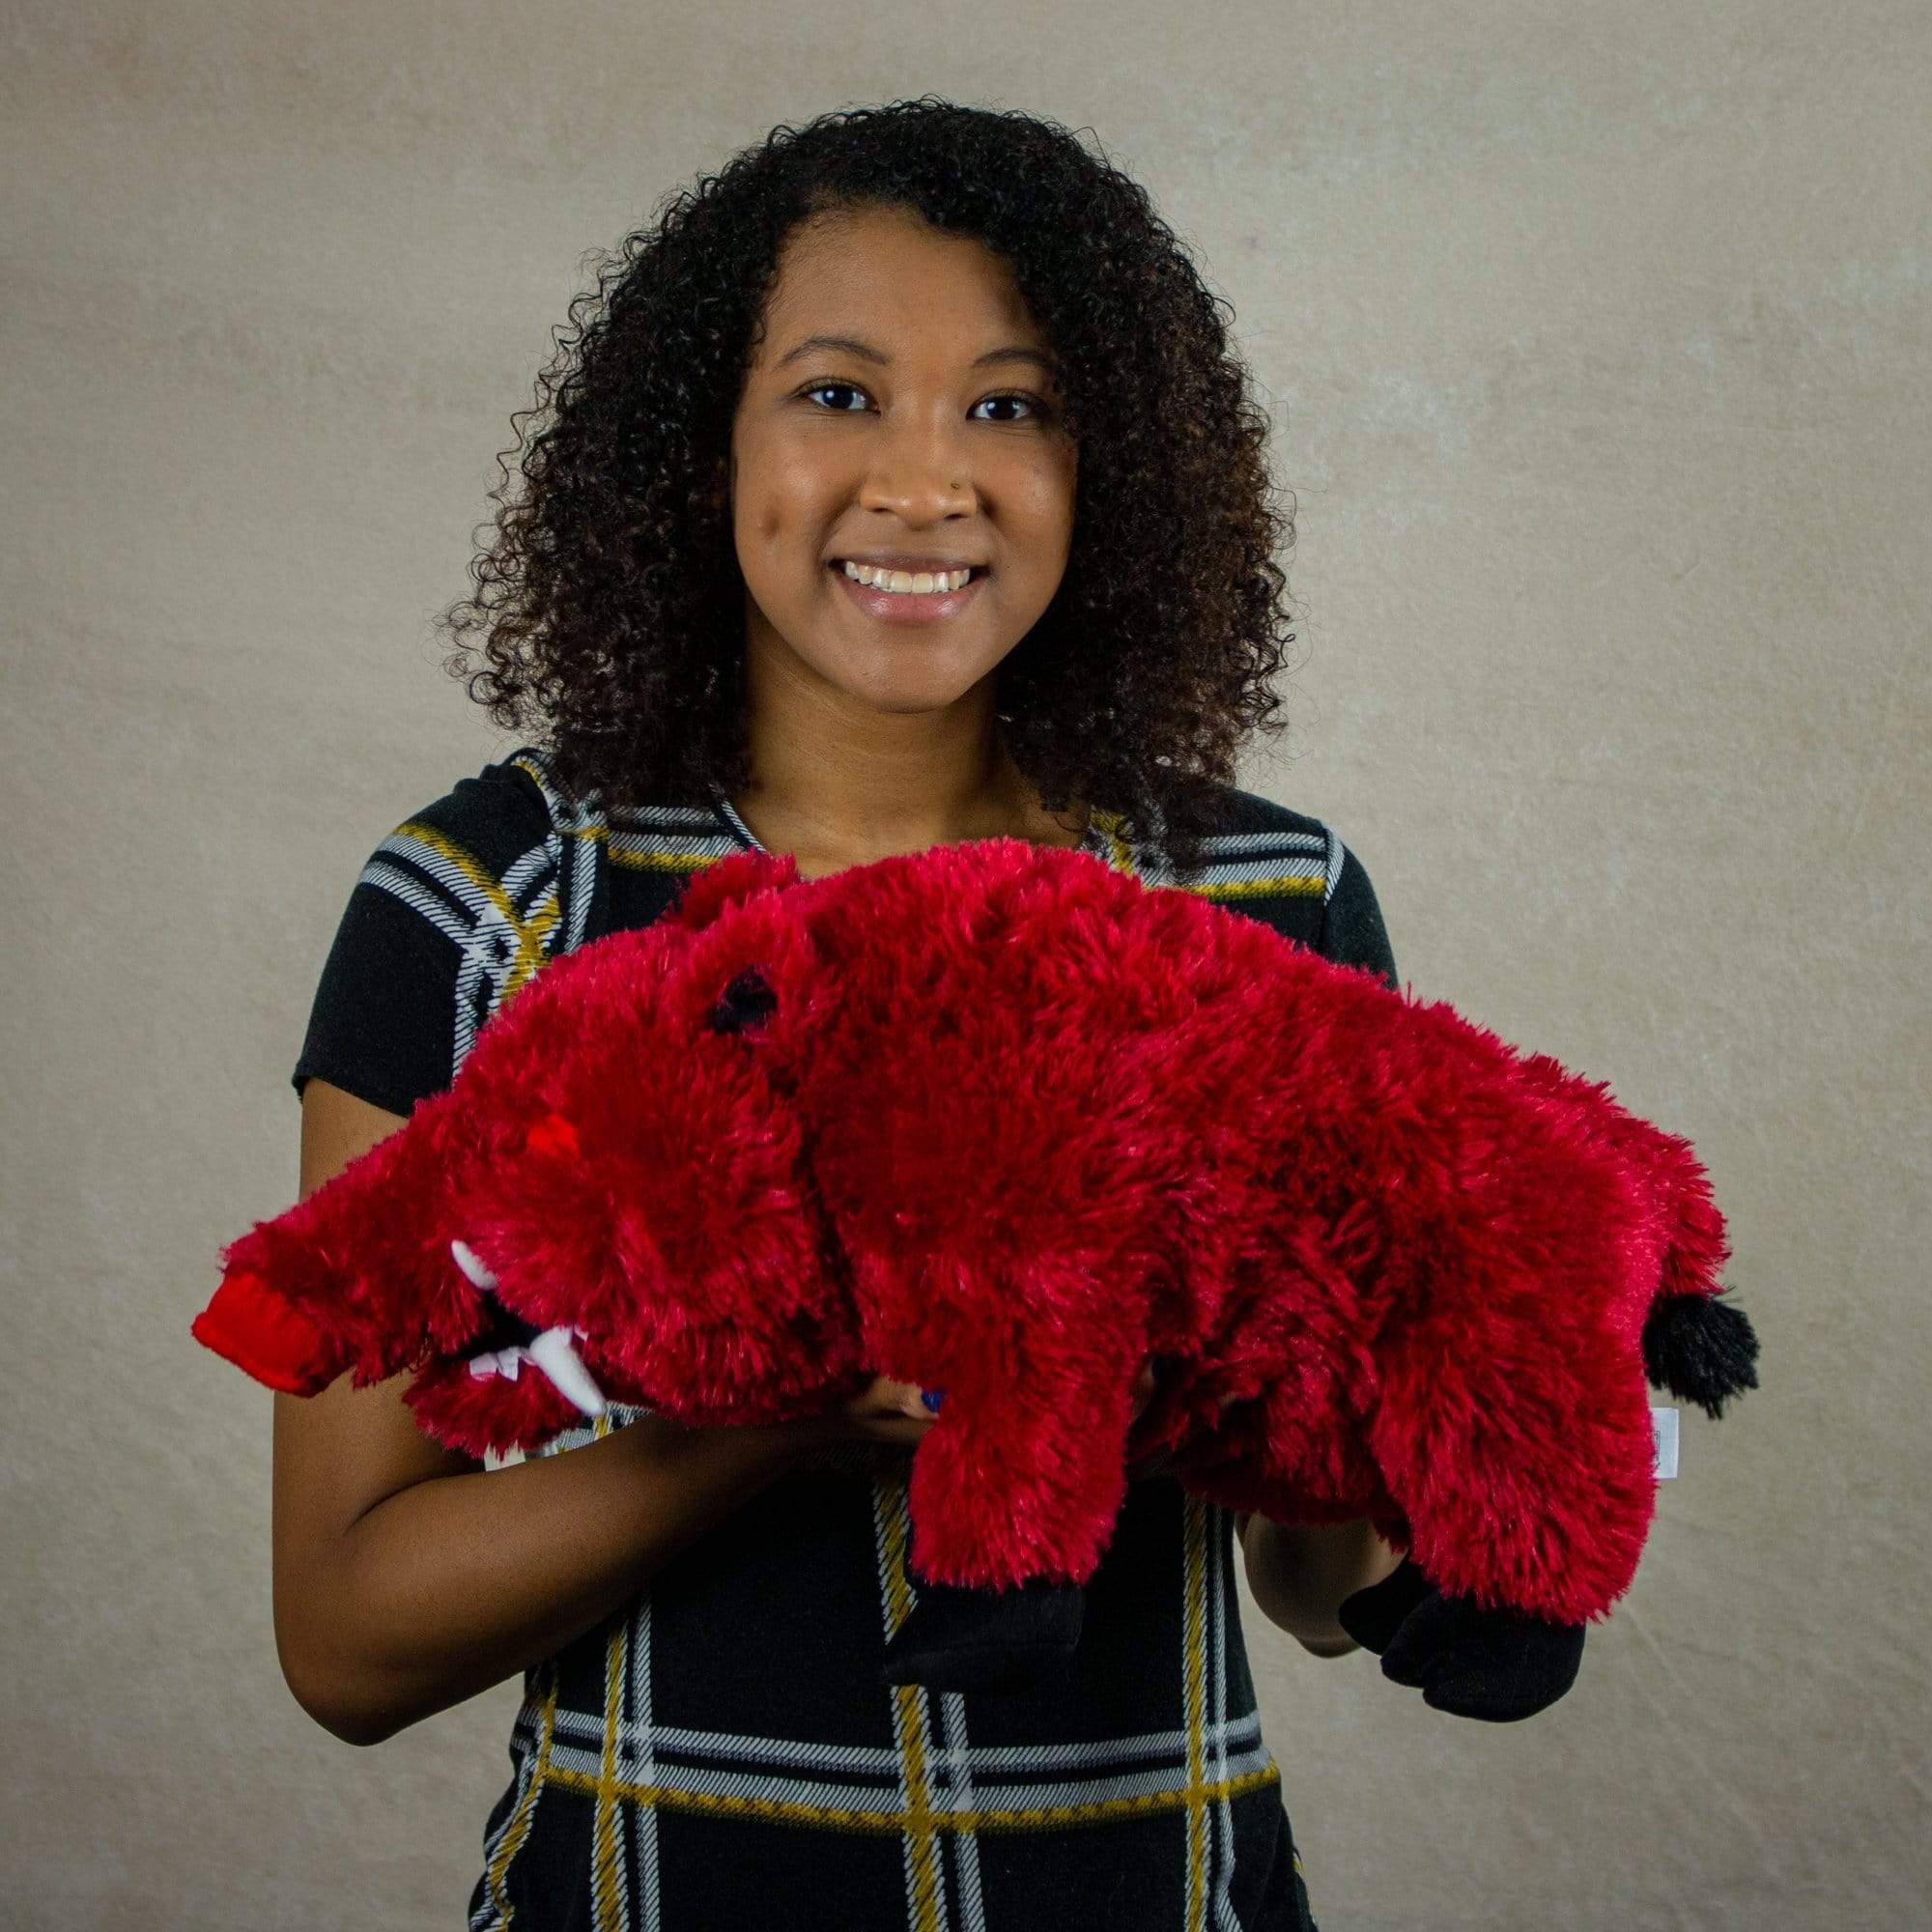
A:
<point x="1372" y="1616"/>
<point x="1497" y="1665"/>
<point x="957" y="1639"/>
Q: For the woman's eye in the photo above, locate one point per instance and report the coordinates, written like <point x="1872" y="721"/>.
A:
<point x="1033" y="404"/>
<point x="822" y="388"/>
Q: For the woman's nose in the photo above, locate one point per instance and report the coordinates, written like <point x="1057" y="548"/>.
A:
<point x="917" y="473"/>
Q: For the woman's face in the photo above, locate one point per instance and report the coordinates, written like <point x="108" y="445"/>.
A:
<point x="929" y="430"/>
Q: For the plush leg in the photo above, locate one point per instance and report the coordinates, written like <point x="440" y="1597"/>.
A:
<point x="1497" y="1665"/>
<point x="1013" y="1493"/>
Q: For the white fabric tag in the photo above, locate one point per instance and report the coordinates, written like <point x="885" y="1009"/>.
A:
<point x="1663" y="1427"/>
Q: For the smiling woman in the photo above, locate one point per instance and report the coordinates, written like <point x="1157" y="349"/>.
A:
<point x="896" y="488"/>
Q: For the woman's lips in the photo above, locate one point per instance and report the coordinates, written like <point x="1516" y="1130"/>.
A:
<point x="907" y="607"/>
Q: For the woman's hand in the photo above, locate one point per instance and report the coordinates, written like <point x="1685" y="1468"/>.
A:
<point x="902" y="1412"/>
<point x="884" y="1411"/>
<point x="885" y="1416"/>
<point x="899" y="1413"/>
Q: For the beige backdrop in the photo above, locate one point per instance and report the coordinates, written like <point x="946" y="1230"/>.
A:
<point x="1596" y="339"/>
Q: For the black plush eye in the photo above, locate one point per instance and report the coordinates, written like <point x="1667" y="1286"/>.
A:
<point x="744" y="1003"/>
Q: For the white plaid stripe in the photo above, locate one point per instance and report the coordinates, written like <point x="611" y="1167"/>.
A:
<point x="503" y="928"/>
<point x="963" y="1791"/>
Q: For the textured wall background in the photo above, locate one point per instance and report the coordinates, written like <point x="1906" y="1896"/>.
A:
<point x="1597" y="344"/>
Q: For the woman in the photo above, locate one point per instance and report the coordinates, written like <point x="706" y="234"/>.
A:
<point x="897" y="489"/>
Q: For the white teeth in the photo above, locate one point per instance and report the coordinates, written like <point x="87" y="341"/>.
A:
<point x="504" y="1362"/>
<point x="469" y="1260"/>
<point x="554" y="1351"/>
<point x="920" y="584"/>
<point x="555" y="1354"/>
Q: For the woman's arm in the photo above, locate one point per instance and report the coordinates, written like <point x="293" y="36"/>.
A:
<point x="1299" y="1575"/>
<point x="408" y="1577"/>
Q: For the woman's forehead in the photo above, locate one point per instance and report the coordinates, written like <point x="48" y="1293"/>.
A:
<point x="872" y="277"/>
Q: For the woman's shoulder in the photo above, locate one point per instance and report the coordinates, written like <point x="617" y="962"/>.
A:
<point x="492" y="816"/>
<point x="513" y="824"/>
<point x="489" y="827"/>
<point x="1295" y="871"/>
<point x="1252" y="842"/>
<point x="1248" y="815"/>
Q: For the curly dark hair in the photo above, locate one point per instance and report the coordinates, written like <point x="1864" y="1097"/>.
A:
<point x="611" y="602"/>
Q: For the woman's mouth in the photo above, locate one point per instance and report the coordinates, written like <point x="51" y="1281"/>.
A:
<point x="907" y="607"/>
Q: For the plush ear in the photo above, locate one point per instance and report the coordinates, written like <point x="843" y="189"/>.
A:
<point x="754" y="974"/>
<point x="727" y="883"/>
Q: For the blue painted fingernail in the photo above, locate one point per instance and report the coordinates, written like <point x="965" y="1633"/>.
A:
<point x="931" y="1399"/>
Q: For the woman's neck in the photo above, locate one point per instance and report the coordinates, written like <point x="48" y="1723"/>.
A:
<point x="846" y="803"/>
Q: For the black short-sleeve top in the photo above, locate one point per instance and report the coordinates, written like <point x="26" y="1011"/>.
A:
<point x="720" y="1752"/>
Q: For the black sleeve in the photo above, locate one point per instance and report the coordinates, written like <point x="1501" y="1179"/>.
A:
<point x="1353" y="933"/>
<point x="420" y="941"/>
<point x="384" y="1020"/>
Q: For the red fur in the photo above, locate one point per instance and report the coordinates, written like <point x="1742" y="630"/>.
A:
<point x="1009" y="1123"/>
<point x="273" y="1340"/>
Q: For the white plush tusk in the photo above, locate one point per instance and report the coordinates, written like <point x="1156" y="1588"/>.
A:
<point x="471" y="1265"/>
<point x="508" y="1362"/>
<point x="555" y="1354"/>
<point x="482" y="1366"/>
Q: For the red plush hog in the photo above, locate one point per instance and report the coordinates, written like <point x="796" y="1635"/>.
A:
<point x="997" y="1120"/>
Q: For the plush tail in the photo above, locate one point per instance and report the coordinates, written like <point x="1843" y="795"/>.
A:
<point x="1699" y="1348"/>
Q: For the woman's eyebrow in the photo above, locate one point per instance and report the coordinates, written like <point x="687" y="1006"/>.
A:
<point x="852" y="346"/>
